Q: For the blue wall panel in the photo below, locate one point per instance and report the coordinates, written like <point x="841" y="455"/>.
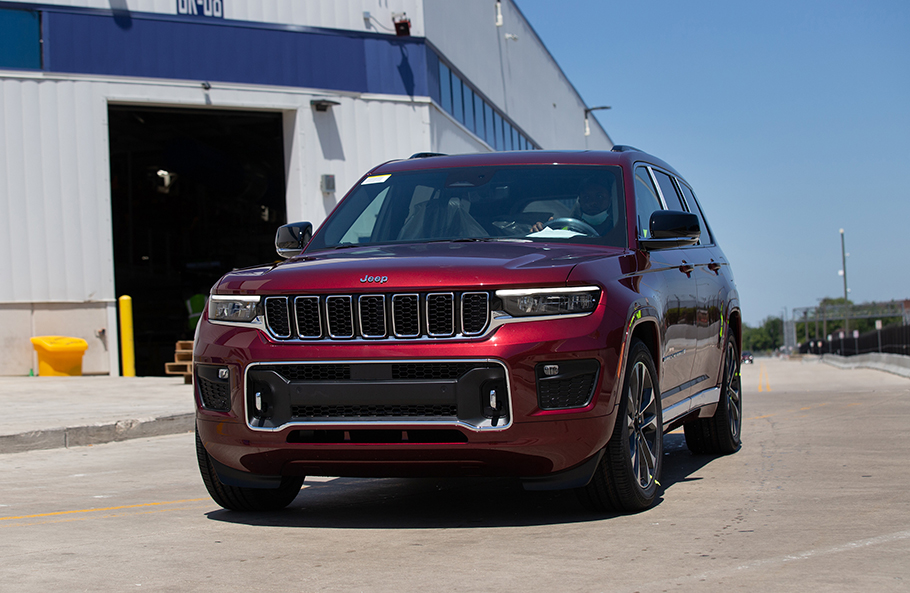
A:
<point x="19" y="39"/>
<point x="226" y="51"/>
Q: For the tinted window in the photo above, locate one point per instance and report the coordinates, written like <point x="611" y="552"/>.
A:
<point x="646" y="200"/>
<point x="468" y="108"/>
<point x="497" y="130"/>
<point x="489" y="134"/>
<point x="445" y="87"/>
<point x="457" y="104"/>
<point x="668" y="191"/>
<point x="480" y="203"/>
<point x="478" y="116"/>
<point x="696" y="209"/>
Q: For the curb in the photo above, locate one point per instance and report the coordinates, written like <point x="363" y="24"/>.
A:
<point x="889" y="363"/>
<point x="80" y="436"/>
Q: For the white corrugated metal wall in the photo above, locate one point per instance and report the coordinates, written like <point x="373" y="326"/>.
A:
<point x="55" y="190"/>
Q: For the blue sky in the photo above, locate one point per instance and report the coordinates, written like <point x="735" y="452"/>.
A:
<point x="791" y="120"/>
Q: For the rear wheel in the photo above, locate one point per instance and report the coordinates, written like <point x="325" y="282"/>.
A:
<point x="626" y="478"/>
<point x="238" y="498"/>
<point x="721" y="433"/>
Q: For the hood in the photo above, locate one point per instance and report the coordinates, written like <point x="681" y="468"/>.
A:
<point x="417" y="267"/>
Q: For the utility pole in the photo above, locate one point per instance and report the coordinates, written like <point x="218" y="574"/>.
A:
<point x="843" y="257"/>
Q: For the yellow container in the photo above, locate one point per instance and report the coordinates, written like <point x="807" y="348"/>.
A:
<point x="59" y="356"/>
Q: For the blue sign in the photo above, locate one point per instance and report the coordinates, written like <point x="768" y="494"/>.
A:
<point x="203" y="8"/>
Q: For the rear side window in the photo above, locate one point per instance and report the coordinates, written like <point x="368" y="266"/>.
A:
<point x="646" y="200"/>
<point x="694" y="208"/>
<point x="668" y="190"/>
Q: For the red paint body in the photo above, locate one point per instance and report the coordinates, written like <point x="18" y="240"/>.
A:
<point x="645" y="295"/>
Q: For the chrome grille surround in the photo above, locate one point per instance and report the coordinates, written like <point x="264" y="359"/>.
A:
<point x="377" y="316"/>
<point x="336" y="370"/>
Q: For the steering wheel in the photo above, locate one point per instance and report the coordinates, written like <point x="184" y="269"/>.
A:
<point x="572" y="224"/>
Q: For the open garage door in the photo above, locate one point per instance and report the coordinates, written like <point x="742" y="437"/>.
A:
<point x="195" y="193"/>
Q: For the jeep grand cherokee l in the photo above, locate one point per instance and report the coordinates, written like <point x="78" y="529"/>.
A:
<point x="542" y="315"/>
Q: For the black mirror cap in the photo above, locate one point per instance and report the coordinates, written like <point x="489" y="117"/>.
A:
<point x="290" y="239"/>
<point x="672" y="228"/>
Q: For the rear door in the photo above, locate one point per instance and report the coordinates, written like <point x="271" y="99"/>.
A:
<point x="711" y="271"/>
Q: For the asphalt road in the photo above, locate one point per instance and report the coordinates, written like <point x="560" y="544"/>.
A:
<point x="818" y="499"/>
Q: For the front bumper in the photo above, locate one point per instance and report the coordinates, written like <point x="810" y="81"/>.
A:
<point x="280" y="426"/>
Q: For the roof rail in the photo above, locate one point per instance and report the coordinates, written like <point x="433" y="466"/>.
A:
<point x="426" y="155"/>
<point x="624" y="148"/>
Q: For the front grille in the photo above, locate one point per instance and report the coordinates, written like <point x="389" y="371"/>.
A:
<point x="215" y="395"/>
<point x="369" y="392"/>
<point x="378" y="316"/>
<point x="396" y="411"/>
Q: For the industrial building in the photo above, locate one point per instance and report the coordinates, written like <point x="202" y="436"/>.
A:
<point x="149" y="146"/>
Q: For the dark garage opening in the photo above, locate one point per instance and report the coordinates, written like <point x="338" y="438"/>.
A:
<point x="194" y="194"/>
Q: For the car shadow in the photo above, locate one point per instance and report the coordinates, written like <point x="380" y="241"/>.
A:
<point x="436" y="503"/>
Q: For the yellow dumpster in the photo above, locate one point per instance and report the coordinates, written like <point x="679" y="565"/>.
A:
<point x="59" y="356"/>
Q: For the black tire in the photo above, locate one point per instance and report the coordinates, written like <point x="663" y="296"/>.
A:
<point x="626" y="479"/>
<point x="721" y="434"/>
<point x="245" y="499"/>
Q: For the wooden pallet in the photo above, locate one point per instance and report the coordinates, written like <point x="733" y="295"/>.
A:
<point x="183" y="361"/>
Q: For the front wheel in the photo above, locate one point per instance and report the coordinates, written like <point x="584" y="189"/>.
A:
<point x="237" y="498"/>
<point x="721" y="433"/>
<point x="627" y="477"/>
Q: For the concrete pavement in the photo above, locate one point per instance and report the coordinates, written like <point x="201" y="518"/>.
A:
<point x="54" y="412"/>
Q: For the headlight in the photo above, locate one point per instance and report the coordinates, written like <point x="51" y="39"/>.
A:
<point x="549" y="301"/>
<point x="233" y="308"/>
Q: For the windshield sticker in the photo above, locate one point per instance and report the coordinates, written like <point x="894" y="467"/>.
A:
<point x="375" y="179"/>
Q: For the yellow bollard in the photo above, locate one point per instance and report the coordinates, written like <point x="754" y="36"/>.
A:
<point x="127" y="349"/>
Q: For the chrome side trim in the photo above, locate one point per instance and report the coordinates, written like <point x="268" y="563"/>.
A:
<point x="691" y="403"/>
<point x="485" y="426"/>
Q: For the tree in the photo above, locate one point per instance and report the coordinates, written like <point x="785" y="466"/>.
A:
<point x="768" y="336"/>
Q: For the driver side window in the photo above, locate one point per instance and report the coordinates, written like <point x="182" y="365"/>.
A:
<point x="646" y="200"/>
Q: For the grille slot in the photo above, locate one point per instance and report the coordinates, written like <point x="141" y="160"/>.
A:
<point x="397" y="411"/>
<point x="276" y="316"/>
<point x="406" y="315"/>
<point x="441" y="315"/>
<point x="339" y="316"/>
<point x="372" y="316"/>
<point x="311" y="372"/>
<point x="378" y="316"/>
<point x="475" y="311"/>
<point x="309" y="324"/>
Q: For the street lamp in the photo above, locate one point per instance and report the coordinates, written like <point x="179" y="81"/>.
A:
<point x="589" y="110"/>
<point x="843" y="256"/>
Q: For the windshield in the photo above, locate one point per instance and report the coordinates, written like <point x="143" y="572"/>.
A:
<point x="577" y="204"/>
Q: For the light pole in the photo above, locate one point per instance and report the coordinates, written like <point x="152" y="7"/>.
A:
<point x="843" y="257"/>
<point x="589" y="110"/>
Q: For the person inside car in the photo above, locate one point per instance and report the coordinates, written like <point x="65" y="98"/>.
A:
<point x="595" y="206"/>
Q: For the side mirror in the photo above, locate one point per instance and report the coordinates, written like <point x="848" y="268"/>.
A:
<point x="671" y="228"/>
<point x="290" y="239"/>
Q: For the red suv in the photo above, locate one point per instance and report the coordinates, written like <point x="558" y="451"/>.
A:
<point x="542" y="315"/>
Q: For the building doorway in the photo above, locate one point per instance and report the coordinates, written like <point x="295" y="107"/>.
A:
<point x="194" y="194"/>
